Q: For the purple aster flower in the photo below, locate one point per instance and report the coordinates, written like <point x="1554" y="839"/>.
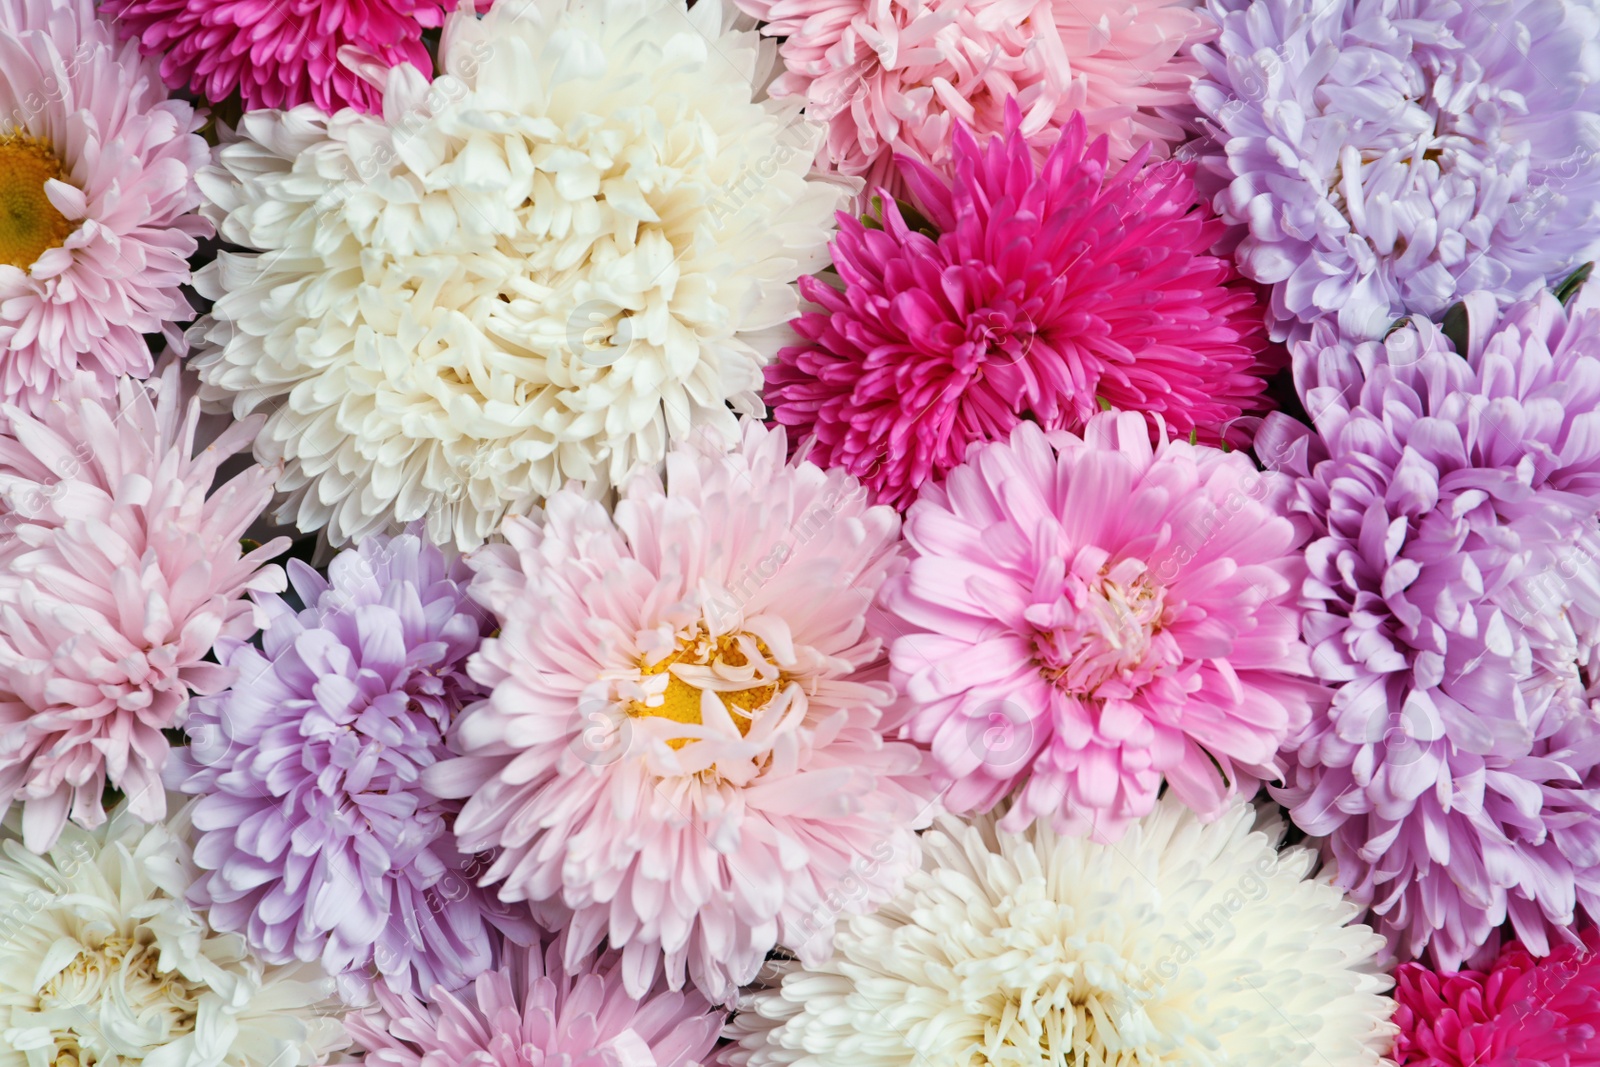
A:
<point x="1389" y="156"/>
<point x="319" y="839"/>
<point x="1455" y="600"/>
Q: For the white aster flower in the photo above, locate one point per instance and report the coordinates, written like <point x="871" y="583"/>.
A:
<point x="1184" y="943"/>
<point x="576" y="245"/>
<point x="103" y="964"/>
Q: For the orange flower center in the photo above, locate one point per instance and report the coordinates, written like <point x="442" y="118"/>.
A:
<point x="30" y="225"/>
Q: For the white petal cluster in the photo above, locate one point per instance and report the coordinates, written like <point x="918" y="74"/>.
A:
<point x="576" y="245"/>
<point x="1184" y="943"/>
<point x="103" y="964"/>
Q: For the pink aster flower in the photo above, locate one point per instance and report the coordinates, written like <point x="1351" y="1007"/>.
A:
<point x="900" y="76"/>
<point x="686" y="751"/>
<point x="97" y="195"/>
<point x="281" y="53"/>
<point x="1522" y="1011"/>
<point x="528" y="1014"/>
<point x="118" y="573"/>
<point x="1043" y="293"/>
<point x="1085" y="616"/>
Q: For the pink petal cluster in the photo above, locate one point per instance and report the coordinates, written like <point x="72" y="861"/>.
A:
<point x="127" y="157"/>
<point x="1523" y="1011"/>
<point x="1083" y="617"/>
<point x="1042" y="294"/>
<point x="687" y="749"/>
<point x="529" y="1014"/>
<point x="901" y="76"/>
<point x="118" y="573"/>
<point x="282" y="53"/>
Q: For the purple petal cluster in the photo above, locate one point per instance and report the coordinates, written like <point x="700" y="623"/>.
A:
<point x="319" y="839"/>
<point x="1454" y="595"/>
<point x="1389" y="156"/>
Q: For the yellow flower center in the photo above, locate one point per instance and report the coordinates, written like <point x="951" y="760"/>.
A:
<point x="725" y="656"/>
<point x="30" y="225"/>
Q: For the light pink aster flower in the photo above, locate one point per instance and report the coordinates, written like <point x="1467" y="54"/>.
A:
<point x="529" y="1014"/>
<point x="117" y="575"/>
<point x="1085" y="616"/>
<point x="892" y="76"/>
<point x="282" y="53"/>
<point x="686" y="749"/>
<point x="97" y="185"/>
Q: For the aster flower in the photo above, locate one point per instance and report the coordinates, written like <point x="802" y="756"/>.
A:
<point x="608" y="225"/>
<point x="118" y="574"/>
<point x="320" y="840"/>
<point x="102" y="962"/>
<point x="1455" y="602"/>
<point x="280" y="53"/>
<point x="528" y="1011"/>
<point x="685" y="752"/>
<point x="1042" y="293"/>
<point x="1082" y="617"/>
<point x="1521" y="1012"/>
<point x="97" y="174"/>
<point x="1390" y="156"/>
<point x="1187" y="943"/>
<point x="901" y="76"/>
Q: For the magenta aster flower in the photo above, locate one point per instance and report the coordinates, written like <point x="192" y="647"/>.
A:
<point x="320" y="840"/>
<point x="118" y="573"/>
<point x="1522" y="1011"/>
<point x="97" y="198"/>
<point x="1456" y="605"/>
<point x="1043" y="293"/>
<point x="528" y="1014"/>
<point x="899" y="77"/>
<point x="1083" y="617"/>
<point x="686" y="751"/>
<point x="280" y="53"/>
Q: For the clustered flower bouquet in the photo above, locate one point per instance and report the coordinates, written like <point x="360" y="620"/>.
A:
<point x="845" y="533"/>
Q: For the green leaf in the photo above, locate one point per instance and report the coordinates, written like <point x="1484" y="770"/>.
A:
<point x="1398" y="324"/>
<point x="175" y="737"/>
<point x="1105" y="405"/>
<point x="1194" y="437"/>
<point x="1574" y="281"/>
<point x="914" y="219"/>
<point x="247" y="544"/>
<point x="1454" y="326"/>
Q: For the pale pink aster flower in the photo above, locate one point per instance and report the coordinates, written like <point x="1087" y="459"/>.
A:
<point x="118" y="573"/>
<point x="1083" y="617"/>
<point x="686" y="751"/>
<point x="529" y="1014"/>
<point x="896" y="76"/>
<point x="97" y="186"/>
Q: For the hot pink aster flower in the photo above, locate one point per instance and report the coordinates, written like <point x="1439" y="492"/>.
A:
<point x="1523" y="1011"/>
<point x="899" y="76"/>
<point x="280" y="53"/>
<point x="1083" y="616"/>
<point x="529" y="1014"/>
<point x="117" y="576"/>
<point x="685" y="752"/>
<point x="1044" y="292"/>
<point x="97" y="194"/>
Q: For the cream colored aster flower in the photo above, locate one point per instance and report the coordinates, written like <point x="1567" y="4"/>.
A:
<point x="102" y="964"/>
<point x="1183" y="943"/>
<point x="576" y="245"/>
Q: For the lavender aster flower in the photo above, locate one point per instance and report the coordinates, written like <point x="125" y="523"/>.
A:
<point x="320" y="841"/>
<point x="1389" y="156"/>
<point x="1456" y="605"/>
